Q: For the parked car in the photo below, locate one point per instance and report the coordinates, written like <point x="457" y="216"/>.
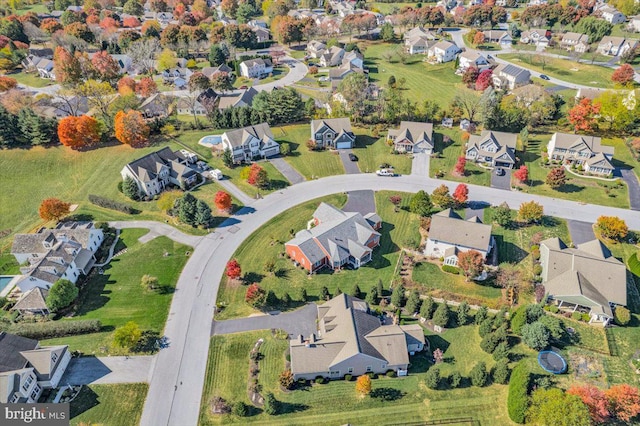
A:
<point x="544" y="77"/>
<point x="499" y="171"/>
<point x="243" y="87"/>
<point x="353" y="157"/>
<point x="385" y="172"/>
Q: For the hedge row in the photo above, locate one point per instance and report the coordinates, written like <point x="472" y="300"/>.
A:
<point x="518" y="399"/>
<point x="52" y="329"/>
<point x="451" y="269"/>
<point x="111" y="204"/>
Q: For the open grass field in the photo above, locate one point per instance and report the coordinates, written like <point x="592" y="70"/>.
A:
<point x="109" y="405"/>
<point x="419" y="75"/>
<point x="31" y="79"/>
<point x="116" y="296"/>
<point x="267" y="243"/>
<point x="564" y="69"/>
<point x="447" y="156"/>
<point x="389" y="8"/>
<point x="372" y="152"/>
<point x="337" y="402"/>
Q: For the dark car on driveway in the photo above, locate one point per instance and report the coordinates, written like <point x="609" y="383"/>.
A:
<point x="544" y="77"/>
<point x="499" y="171"/>
<point x="353" y="157"/>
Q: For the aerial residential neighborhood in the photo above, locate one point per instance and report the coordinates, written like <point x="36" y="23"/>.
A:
<point x="278" y="212"/>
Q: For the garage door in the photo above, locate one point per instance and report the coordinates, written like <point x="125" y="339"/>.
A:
<point x="343" y="145"/>
<point x="271" y="152"/>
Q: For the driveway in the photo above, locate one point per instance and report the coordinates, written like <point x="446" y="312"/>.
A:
<point x="581" y="232"/>
<point x="108" y="370"/>
<point x="501" y="182"/>
<point x="363" y="202"/>
<point x="350" y="167"/>
<point x="420" y="164"/>
<point x="287" y="171"/>
<point x="631" y="180"/>
<point x="299" y="322"/>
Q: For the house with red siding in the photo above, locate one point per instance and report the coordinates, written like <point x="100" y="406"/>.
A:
<point x="335" y="239"/>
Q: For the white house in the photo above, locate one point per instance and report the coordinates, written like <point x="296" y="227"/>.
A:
<point x="256" y="68"/>
<point x="616" y="46"/>
<point x="315" y="48"/>
<point x="612" y="15"/>
<point x="443" y="51"/>
<point x="503" y="38"/>
<point x="418" y="40"/>
<point x="473" y="59"/>
<point x="536" y="36"/>
<point x="332" y="57"/>
<point x="450" y="235"/>
<point x="586" y="151"/>
<point x="577" y="42"/>
<point x="251" y="142"/>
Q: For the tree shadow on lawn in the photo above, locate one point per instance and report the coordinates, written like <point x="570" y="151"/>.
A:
<point x="84" y="402"/>
<point x="570" y="188"/>
<point x="508" y="252"/>
<point x="252" y="277"/>
<point x="420" y="362"/>
<point x="290" y="407"/>
<point x="436" y="341"/>
<point x="387" y="394"/>
<point x="294" y="148"/>
<point x="550" y="221"/>
<point x="278" y="184"/>
<point x="94" y="294"/>
<point x="364" y="141"/>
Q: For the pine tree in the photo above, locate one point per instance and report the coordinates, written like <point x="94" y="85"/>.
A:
<point x="186" y="208"/>
<point x="481" y="315"/>
<point x="130" y="188"/>
<point x="372" y="296"/>
<point x="203" y="214"/>
<point x="324" y="293"/>
<point x="8" y="128"/>
<point x="355" y="291"/>
<point x="380" y="288"/>
<point x="413" y="303"/>
<point x="227" y="157"/>
<point x="35" y="129"/>
<point x="427" y="308"/>
<point x="397" y="296"/>
<point x="441" y="316"/>
<point x="463" y="313"/>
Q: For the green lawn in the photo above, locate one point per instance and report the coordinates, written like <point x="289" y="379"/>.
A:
<point x="372" y="152"/>
<point x="310" y="164"/>
<point x="564" y="69"/>
<point x="109" y="405"/>
<point x="337" y="402"/>
<point x="268" y="242"/>
<point x="31" y="79"/>
<point x="8" y="264"/>
<point x="117" y="296"/>
<point x="439" y="79"/>
<point x="35" y="8"/>
<point x="442" y="284"/>
<point x="389" y="8"/>
<point x="447" y="156"/>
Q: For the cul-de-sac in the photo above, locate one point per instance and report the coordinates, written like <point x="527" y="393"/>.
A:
<point x="320" y="212"/>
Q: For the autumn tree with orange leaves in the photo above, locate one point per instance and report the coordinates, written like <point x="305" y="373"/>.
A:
<point x="79" y="132"/>
<point x="66" y="67"/>
<point x="53" y="209"/>
<point x="146" y="87"/>
<point x="126" y="86"/>
<point x="583" y="115"/>
<point x="131" y="129"/>
<point x="106" y="68"/>
<point x="223" y="201"/>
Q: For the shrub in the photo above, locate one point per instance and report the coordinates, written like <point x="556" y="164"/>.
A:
<point x="554" y="309"/>
<point x="455" y="379"/>
<point x="53" y="329"/>
<point x="537" y="269"/>
<point x="576" y="316"/>
<point x="622" y="315"/>
<point x="390" y="373"/>
<point x="518" y="399"/>
<point x="536" y="336"/>
<point x="286" y="379"/>
<point x="240" y="409"/>
<point x="451" y="269"/>
<point x="271" y="404"/>
<point x="585" y="317"/>
<point x="432" y="378"/>
<point x="128" y="335"/>
<point x="501" y="371"/>
<point x="535" y="254"/>
<point x="319" y="380"/>
<point x="348" y="377"/>
<point x="478" y="374"/>
<point x="111" y="204"/>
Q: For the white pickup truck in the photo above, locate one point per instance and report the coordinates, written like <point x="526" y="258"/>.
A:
<point x="385" y="172"/>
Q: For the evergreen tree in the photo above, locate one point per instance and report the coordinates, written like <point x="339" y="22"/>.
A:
<point x="8" y="128"/>
<point x="130" y="188"/>
<point x="420" y="204"/>
<point x="427" y="308"/>
<point x="355" y="291"/>
<point x="324" y="293"/>
<point x="36" y="130"/>
<point x="397" y="296"/>
<point x="380" y="288"/>
<point x="413" y="303"/>
<point x="502" y="215"/>
<point x="478" y="374"/>
<point x="463" y="313"/>
<point x="186" y="208"/>
<point x="372" y="296"/>
<point x="272" y="299"/>
<point x="481" y="315"/>
<point x="286" y="299"/>
<point x="442" y="314"/>
<point x="227" y="157"/>
<point x="271" y="404"/>
<point x="203" y="214"/>
<point x="302" y="295"/>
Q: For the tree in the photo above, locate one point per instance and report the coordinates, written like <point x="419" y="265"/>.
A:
<point x="240" y="409"/>
<point x="535" y="335"/>
<point x="622" y="315"/>
<point x="432" y="378"/>
<point x="624" y="75"/>
<point x="438" y="356"/>
<point x="233" y="270"/>
<point x="501" y="371"/>
<point x="420" y="204"/>
<point x="595" y="28"/>
<point x="469" y="101"/>
<point x="522" y="174"/>
<point x="221" y="81"/>
<point x="7" y="83"/>
<point x="146" y="87"/>
<point x="167" y="200"/>
<point x="612" y="227"/>
<point x="324" y="293"/>
<point x="218" y="54"/>
<point x="203" y="214"/>
<point x="458" y="169"/>
<point x="502" y="215"/>
<point x="131" y="128"/>
<point x="34" y="128"/>
<point x="387" y="33"/>
<point x="199" y="81"/>
<point x="470" y="76"/>
<point x="66" y="67"/>
<point x="442" y="315"/>
<point x="255" y="295"/>
<point x="413" y="303"/>
<point x="353" y="89"/>
<point x="258" y="176"/>
<point x="372" y="296"/>
<point x="363" y="385"/>
<point x="595" y="400"/>
<point x="61" y="294"/>
<point x="126" y="86"/>
<point x="105" y="66"/>
<point x="355" y="291"/>
<point x="223" y="201"/>
<point x="554" y="407"/>
<point x="583" y="115"/>
<point x="271" y="404"/>
<point x="143" y="53"/>
<point x="227" y="158"/>
<point x="484" y="80"/>
<point x="427" y="308"/>
<point x="133" y="7"/>
<point x="440" y="197"/>
<point x="624" y="402"/>
<point x="461" y="194"/>
<point x="130" y="188"/>
<point x="285" y="149"/>
<point x="556" y="178"/>
<point x="471" y="262"/>
<point x="463" y="313"/>
<point x="397" y="296"/>
<point x="478" y="374"/>
<point x="478" y="38"/>
<point x="149" y="282"/>
<point x="530" y="212"/>
<point x="286" y="379"/>
<point x="53" y="209"/>
<point x="128" y="335"/>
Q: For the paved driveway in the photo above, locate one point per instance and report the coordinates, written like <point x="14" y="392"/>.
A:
<point x="420" y="164"/>
<point x="108" y="370"/>
<point x="501" y="182"/>
<point x="363" y="202"/>
<point x="581" y="232"/>
<point x="285" y="168"/>
<point x="350" y="167"/>
<point x="631" y="180"/>
<point x="299" y="322"/>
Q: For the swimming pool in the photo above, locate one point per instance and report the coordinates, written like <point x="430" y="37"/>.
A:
<point x="210" y="140"/>
<point x="4" y="282"/>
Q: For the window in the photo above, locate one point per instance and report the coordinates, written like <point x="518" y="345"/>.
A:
<point x="384" y="365"/>
<point x="27" y="382"/>
<point x="350" y="370"/>
<point x="369" y="369"/>
<point x="54" y="357"/>
<point x="15" y="398"/>
<point x="35" y="392"/>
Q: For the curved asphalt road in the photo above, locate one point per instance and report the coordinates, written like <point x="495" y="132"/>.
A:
<point x="178" y="377"/>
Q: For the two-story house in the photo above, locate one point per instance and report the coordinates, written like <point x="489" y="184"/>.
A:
<point x="472" y="58"/>
<point x="503" y="38"/>
<point x="26" y="368"/>
<point x="251" y="142"/>
<point x="634" y="23"/>
<point x="155" y="171"/>
<point x="577" y="42"/>
<point x="495" y="149"/>
<point x="412" y="136"/>
<point x="443" y="51"/>
<point x="616" y="46"/>
<point x="612" y="15"/>
<point x="586" y="151"/>
<point x="315" y="48"/>
<point x="418" y="40"/>
<point x="536" y="36"/>
<point x="332" y="57"/>
<point x="508" y="77"/>
<point x="333" y="132"/>
<point x="66" y="252"/>
<point x="256" y="68"/>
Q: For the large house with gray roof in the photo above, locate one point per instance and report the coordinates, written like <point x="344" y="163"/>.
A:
<point x="616" y="46"/>
<point x="577" y="42"/>
<point x="333" y="133"/>
<point x="154" y="172"/>
<point x="450" y="235"/>
<point x="508" y="77"/>
<point x="495" y="149"/>
<point x="66" y="252"/>
<point x="412" y="136"/>
<point x="352" y="341"/>
<point x="587" y="279"/>
<point x="335" y="239"/>
<point x="251" y="142"/>
<point x="26" y="368"/>
<point x="586" y="151"/>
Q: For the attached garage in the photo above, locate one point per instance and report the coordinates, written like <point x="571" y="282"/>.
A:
<point x="271" y="152"/>
<point x="343" y="145"/>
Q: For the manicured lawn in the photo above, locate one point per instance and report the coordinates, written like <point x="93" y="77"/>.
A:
<point x="117" y="297"/>
<point x="109" y="405"/>
<point x="31" y="79"/>
<point x="8" y="264"/>
<point x="563" y="69"/>
<point x="447" y="156"/>
<point x="439" y="79"/>
<point x="389" y="8"/>
<point x="267" y="243"/>
<point x="372" y="152"/>
<point x="337" y="402"/>
<point x="310" y="164"/>
<point x="35" y="8"/>
<point x="442" y="284"/>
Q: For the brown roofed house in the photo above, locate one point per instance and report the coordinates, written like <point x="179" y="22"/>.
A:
<point x="412" y="136"/>
<point x="585" y="151"/>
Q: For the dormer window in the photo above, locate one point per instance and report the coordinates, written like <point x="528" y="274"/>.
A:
<point x="54" y="357"/>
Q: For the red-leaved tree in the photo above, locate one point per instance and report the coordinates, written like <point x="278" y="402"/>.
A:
<point x="66" y="67"/>
<point x="233" y="269"/>
<point x="461" y="194"/>
<point x="471" y="262"/>
<point x="78" y="132"/>
<point x="130" y="128"/>
<point x="623" y="75"/>
<point x="106" y="67"/>
<point x="522" y="174"/>
<point x="146" y="87"/>
<point x="594" y="399"/>
<point x="53" y="209"/>
<point x="7" y="83"/>
<point x="255" y="295"/>
<point x="223" y="201"/>
<point x="126" y="85"/>
<point x="484" y="80"/>
<point x="258" y="176"/>
<point x="583" y="115"/>
<point x="624" y="402"/>
<point x="459" y="167"/>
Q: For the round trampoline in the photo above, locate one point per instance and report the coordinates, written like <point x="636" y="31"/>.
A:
<point x="552" y="362"/>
